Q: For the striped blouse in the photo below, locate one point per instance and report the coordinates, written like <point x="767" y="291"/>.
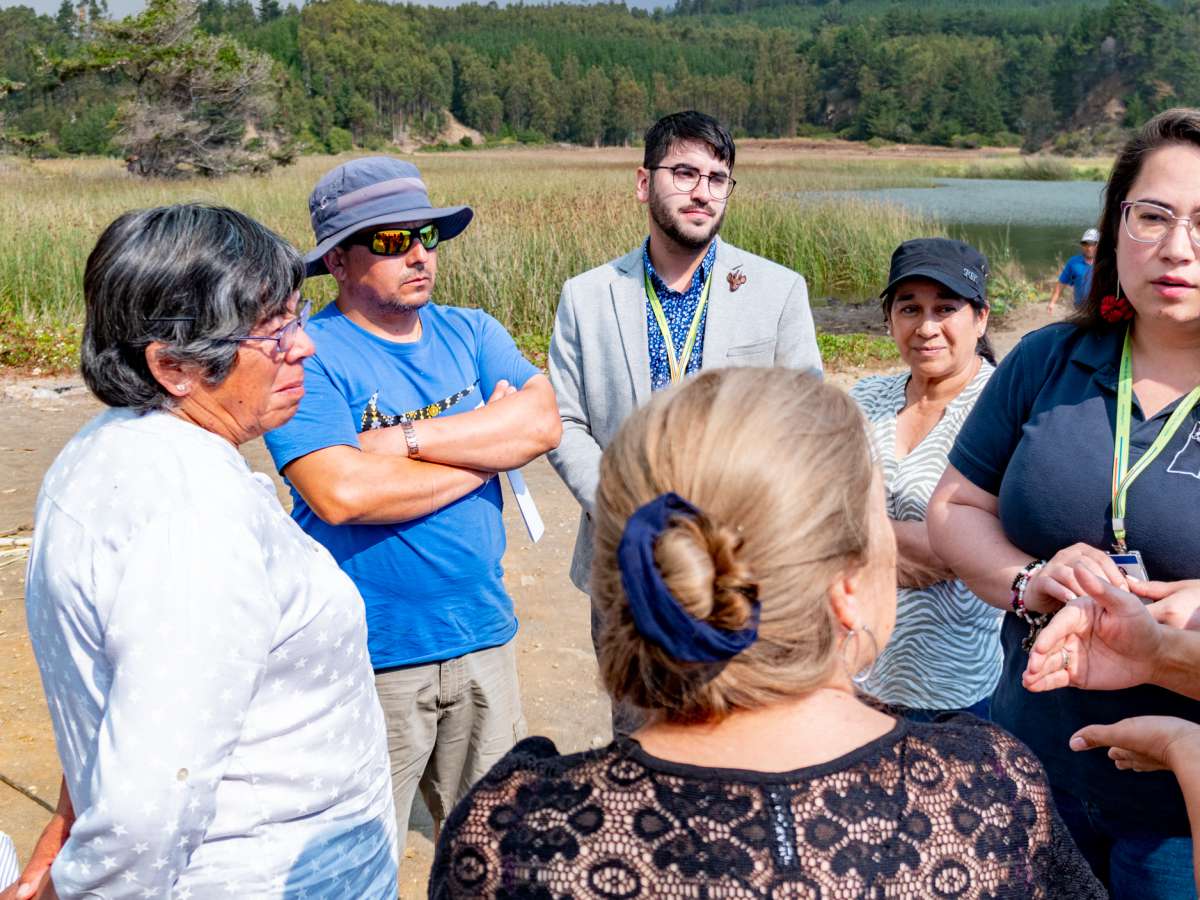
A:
<point x="945" y="651"/>
<point x="10" y="868"/>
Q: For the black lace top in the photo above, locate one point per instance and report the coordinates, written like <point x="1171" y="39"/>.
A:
<point x="956" y="809"/>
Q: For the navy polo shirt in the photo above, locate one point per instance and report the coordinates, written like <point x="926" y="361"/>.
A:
<point x="1040" y="438"/>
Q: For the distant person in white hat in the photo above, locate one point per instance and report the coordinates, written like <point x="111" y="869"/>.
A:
<point x="1078" y="271"/>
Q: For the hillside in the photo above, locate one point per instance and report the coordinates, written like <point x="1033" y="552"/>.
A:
<point x="1070" y="77"/>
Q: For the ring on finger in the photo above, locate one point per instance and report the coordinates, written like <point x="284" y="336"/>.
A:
<point x="1066" y="658"/>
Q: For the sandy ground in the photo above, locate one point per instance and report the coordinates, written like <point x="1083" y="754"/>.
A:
<point x="560" y="689"/>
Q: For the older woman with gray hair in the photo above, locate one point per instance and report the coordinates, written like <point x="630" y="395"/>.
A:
<point x="204" y="661"/>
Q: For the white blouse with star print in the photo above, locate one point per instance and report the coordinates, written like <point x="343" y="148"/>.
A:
<point x="206" y="670"/>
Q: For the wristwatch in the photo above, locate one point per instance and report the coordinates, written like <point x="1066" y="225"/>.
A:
<point x="410" y="438"/>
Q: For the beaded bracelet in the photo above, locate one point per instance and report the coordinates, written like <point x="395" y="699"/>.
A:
<point x="1036" y="621"/>
<point x="1021" y="582"/>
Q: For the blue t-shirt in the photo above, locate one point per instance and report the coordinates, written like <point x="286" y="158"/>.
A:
<point x="432" y="586"/>
<point x="1078" y="274"/>
<point x="1041" y="440"/>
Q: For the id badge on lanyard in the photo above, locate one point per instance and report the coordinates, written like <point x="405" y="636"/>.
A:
<point x="1123" y="476"/>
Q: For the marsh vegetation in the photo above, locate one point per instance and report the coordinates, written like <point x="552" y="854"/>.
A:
<point x="542" y="215"/>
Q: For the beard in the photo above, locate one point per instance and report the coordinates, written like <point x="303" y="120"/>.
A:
<point x="395" y="306"/>
<point x="663" y="217"/>
<point x="398" y="300"/>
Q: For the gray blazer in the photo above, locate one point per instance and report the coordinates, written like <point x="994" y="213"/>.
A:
<point x="600" y="361"/>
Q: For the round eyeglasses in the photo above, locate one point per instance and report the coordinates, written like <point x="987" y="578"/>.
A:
<point x="685" y="178"/>
<point x="1149" y="223"/>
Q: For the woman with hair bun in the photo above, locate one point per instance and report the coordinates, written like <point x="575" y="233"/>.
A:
<point x="745" y="571"/>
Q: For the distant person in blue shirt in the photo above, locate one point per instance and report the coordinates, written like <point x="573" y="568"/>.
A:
<point x="410" y="410"/>
<point x="1078" y="271"/>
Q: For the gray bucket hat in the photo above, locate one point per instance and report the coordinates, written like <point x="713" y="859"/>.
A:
<point x="375" y="190"/>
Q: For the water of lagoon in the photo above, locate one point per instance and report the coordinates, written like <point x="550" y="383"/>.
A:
<point x="1040" y="222"/>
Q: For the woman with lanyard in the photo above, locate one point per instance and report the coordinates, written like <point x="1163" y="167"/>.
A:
<point x="1085" y="448"/>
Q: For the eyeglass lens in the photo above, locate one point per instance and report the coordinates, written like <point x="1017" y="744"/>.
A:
<point x="287" y="334"/>
<point x="1150" y="223"/>
<point x="686" y="178"/>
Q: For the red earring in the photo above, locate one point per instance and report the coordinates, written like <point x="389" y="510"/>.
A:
<point x="1116" y="308"/>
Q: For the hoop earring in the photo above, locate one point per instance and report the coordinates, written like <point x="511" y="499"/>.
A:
<point x="864" y="675"/>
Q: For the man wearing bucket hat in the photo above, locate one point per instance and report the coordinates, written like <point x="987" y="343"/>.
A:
<point x="410" y="408"/>
<point x="1078" y="271"/>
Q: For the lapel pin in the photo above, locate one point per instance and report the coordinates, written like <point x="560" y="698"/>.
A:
<point x="736" y="279"/>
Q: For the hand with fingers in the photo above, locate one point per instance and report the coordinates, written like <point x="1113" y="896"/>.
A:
<point x="34" y="882"/>
<point x="1104" y="640"/>
<point x="502" y="389"/>
<point x="1150" y="743"/>
<point x="1055" y="583"/>
<point x="1174" y="603"/>
<point x="1144" y="743"/>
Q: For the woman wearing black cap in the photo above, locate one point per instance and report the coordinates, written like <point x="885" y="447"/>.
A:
<point x="945" y="653"/>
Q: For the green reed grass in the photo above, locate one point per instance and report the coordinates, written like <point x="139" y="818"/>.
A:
<point x="541" y="217"/>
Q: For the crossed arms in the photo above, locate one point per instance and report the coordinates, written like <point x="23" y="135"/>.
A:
<point x="376" y="483"/>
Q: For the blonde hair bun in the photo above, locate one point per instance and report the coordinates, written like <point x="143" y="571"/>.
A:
<point x="700" y="565"/>
<point x="778" y="465"/>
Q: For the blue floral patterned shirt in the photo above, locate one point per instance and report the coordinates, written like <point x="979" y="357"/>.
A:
<point x="678" y="309"/>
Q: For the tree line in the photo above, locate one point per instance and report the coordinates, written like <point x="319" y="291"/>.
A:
<point x="276" y="80"/>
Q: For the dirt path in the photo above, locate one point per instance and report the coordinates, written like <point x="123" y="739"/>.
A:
<point x="557" y="669"/>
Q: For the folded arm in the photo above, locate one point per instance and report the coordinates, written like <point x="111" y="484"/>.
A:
<point x="965" y="528"/>
<point x="514" y="428"/>
<point x="965" y="532"/>
<point x="917" y="565"/>
<point x="347" y="486"/>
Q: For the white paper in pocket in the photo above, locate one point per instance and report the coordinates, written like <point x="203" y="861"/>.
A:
<point x="529" y="511"/>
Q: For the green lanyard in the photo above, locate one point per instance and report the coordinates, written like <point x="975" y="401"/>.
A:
<point x="1123" y="476"/>
<point x="678" y="365"/>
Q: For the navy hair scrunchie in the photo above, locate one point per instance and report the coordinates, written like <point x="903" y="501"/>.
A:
<point x="656" y="613"/>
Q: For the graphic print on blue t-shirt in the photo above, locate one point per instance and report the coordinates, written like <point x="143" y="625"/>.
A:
<point x="432" y="586"/>
<point x="372" y="418"/>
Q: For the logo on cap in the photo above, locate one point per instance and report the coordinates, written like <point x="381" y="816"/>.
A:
<point x="971" y="275"/>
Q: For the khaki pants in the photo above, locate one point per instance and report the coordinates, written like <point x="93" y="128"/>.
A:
<point x="448" y="723"/>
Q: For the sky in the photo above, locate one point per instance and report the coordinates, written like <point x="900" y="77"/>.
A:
<point x="121" y="8"/>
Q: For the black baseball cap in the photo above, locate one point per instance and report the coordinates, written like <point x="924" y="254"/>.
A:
<point x="953" y="264"/>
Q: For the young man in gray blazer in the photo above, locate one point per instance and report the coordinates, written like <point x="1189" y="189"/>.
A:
<point x="682" y="301"/>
